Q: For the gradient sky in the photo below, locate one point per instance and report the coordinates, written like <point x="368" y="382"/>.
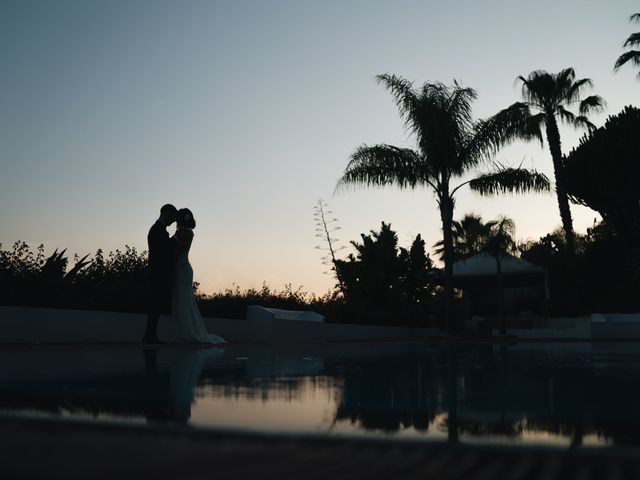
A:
<point x="247" y="111"/>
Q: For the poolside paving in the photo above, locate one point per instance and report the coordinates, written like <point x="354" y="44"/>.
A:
<point x="45" y="449"/>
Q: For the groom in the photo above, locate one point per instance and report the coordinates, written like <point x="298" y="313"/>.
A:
<point x="160" y="271"/>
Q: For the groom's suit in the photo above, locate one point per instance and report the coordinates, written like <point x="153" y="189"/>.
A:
<point x="160" y="269"/>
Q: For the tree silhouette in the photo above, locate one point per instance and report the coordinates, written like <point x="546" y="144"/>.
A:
<point x="469" y="237"/>
<point x="550" y="94"/>
<point x="418" y="286"/>
<point x="373" y="275"/>
<point x="499" y="243"/>
<point x="449" y="144"/>
<point x="632" y="56"/>
<point x="603" y="171"/>
<point x="381" y="276"/>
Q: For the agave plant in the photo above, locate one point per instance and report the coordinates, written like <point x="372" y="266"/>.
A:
<point x="55" y="265"/>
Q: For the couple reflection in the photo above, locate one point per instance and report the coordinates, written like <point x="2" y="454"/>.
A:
<point x="158" y="385"/>
<point x="171" y="378"/>
<point x="501" y="391"/>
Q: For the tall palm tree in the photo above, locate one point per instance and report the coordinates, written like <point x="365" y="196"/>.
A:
<point x="469" y="237"/>
<point x="550" y="95"/>
<point x="448" y="145"/>
<point x="632" y="56"/>
<point x="500" y="242"/>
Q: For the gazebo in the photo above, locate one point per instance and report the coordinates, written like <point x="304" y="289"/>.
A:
<point x="526" y="285"/>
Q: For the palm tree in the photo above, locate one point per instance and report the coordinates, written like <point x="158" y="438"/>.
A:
<point x="632" y="56"/>
<point x="550" y="94"/>
<point x="448" y="145"/>
<point x="499" y="243"/>
<point x="469" y="237"/>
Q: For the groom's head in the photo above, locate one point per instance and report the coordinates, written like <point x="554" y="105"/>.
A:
<point x="168" y="214"/>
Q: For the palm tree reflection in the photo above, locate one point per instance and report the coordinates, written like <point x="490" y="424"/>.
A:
<point x="458" y="393"/>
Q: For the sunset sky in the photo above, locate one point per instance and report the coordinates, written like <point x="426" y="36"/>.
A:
<point x="247" y="111"/>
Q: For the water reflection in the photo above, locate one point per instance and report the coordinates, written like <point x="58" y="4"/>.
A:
<point x="575" y="394"/>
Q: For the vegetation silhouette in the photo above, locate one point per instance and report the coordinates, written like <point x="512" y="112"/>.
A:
<point x="449" y="144"/>
<point x="113" y="282"/>
<point x="27" y="276"/>
<point x="598" y="278"/>
<point x="501" y="242"/>
<point x="602" y="173"/>
<point x="117" y="282"/>
<point x="469" y="237"/>
<point x="550" y="95"/>
<point x="385" y="283"/>
<point x="325" y="230"/>
<point x="472" y="236"/>
<point x="632" y="56"/>
<point x="233" y="302"/>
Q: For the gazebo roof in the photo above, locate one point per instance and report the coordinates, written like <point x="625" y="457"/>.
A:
<point x="485" y="264"/>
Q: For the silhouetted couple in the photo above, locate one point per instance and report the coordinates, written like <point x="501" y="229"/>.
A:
<point x="171" y="280"/>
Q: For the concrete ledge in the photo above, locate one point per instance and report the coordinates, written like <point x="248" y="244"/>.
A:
<point x="22" y="325"/>
<point x="615" y="330"/>
<point x="339" y="332"/>
<point x="557" y="328"/>
<point x="48" y="325"/>
<point x="621" y="317"/>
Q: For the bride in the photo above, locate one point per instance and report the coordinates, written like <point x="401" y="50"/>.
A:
<point x="187" y="319"/>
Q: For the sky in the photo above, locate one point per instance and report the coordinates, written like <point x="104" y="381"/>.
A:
<point x="246" y="112"/>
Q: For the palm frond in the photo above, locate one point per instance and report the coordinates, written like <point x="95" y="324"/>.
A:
<point x="381" y="165"/>
<point x="511" y="123"/>
<point x="566" y="76"/>
<point x="565" y="115"/>
<point x="544" y="90"/>
<point x="403" y="93"/>
<point x="632" y="56"/>
<point x="459" y="104"/>
<point x="633" y="40"/>
<point x="593" y="103"/>
<point x="510" y="180"/>
<point x="533" y="88"/>
<point x="574" y="89"/>
<point x="501" y="240"/>
<point x="583" y="121"/>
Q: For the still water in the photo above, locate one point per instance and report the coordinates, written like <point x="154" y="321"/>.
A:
<point x="565" y="395"/>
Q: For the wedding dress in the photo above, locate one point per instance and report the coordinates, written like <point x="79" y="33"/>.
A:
<point x="188" y="324"/>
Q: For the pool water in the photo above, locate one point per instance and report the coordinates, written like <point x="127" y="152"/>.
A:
<point x="565" y="395"/>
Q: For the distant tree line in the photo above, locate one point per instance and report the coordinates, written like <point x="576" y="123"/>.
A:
<point x="385" y="283"/>
<point x="117" y="281"/>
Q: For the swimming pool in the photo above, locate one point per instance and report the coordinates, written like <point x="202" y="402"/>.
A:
<point x="565" y="395"/>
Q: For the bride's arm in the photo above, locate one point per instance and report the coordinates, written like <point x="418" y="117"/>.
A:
<point x="188" y="238"/>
